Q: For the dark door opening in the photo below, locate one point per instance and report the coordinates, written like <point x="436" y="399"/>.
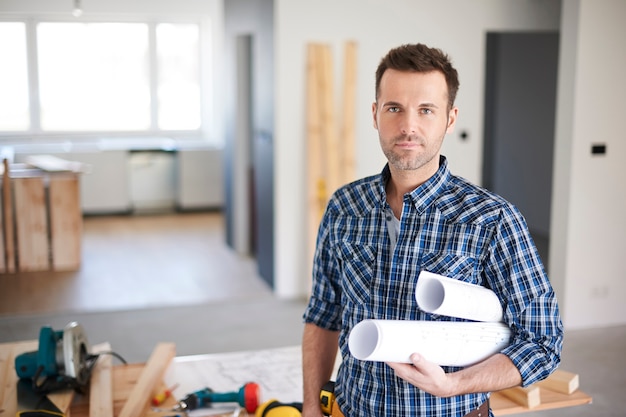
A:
<point x="520" y="111"/>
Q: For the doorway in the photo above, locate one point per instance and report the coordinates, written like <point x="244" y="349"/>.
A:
<point x="520" y="111"/>
<point x="249" y="123"/>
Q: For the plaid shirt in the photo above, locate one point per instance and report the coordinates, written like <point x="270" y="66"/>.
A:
<point x="449" y="227"/>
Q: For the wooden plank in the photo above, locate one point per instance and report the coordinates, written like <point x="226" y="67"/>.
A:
<point x="528" y="397"/>
<point x="561" y="381"/>
<point x="31" y="224"/>
<point x="152" y="375"/>
<point x="330" y="143"/>
<point x="7" y="213"/>
<point x="503" y="406"/>
<point x="53" y="163"/>
<point x="101" y="384"/>
<point x="66" y="222"/>
<point x="347" y="141"/>
<point x="124" y="379"/>
<point x="62" y="399"/>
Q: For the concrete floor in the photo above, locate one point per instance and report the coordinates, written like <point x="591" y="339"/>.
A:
<point x="147" y="279"/>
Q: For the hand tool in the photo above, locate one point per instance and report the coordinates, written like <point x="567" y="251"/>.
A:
<point x="162" y="396"/>
<point x="248" y="397"/>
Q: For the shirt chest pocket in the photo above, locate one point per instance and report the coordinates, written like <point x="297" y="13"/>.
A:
<point x="461" y="267"/>
<point x="358" y="264"/>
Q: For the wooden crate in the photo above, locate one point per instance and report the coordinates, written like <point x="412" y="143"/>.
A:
<point x="42" y="220"/>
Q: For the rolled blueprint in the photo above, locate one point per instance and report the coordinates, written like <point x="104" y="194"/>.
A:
<point x="445" y="343"/>
<point x="445" y="296"/>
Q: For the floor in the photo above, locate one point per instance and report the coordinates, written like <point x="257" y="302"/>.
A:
<point x="147" y="279"/>
<point x="138" y="262"/>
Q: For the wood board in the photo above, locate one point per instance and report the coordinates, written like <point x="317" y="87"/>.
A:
<point x="502" y="406"/>
<point x="150" y="378"/>
<point x="8" y="235"/>
<point x="31" y="224"/>
<point x="66" y="226"/>
<point x="347" y="138"/>
<point x="330" y="160"/>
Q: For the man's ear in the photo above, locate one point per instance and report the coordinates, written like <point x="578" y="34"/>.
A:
<point x="452" y="115"/>
<point x="374" y="112"/>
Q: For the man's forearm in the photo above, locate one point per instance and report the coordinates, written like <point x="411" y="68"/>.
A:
<point x="319" y="350"/>
<point x="493" y="374"/>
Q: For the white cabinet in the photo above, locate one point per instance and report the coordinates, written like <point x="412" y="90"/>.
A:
<point x="200" y="178"/>
<point x="104" y="189"/>
<point x="140" y="176"/>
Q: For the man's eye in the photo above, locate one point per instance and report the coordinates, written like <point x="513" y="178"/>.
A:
<point x="426" y="111"/>
<point x="394" y="109"/>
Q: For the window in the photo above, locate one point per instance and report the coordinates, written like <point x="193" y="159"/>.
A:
<point x="14" y="101"/>
<point x="101" y="77"/>
<point x="93" y="76"/>
<point x="178" y="76"/>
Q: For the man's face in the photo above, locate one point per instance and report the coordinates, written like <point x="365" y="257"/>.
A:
<point x="411" y="116"/>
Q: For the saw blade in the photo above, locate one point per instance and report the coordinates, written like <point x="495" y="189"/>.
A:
<point x="75" y="350"/>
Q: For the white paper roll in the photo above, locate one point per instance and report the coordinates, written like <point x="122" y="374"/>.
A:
<point x="442" y="342"/>
<point x="445" y="296"/>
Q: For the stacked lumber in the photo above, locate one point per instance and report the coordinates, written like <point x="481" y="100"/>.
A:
<point x="558" y="389"/>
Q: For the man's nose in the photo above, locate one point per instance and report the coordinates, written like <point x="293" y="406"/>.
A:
<point x="408" y="123"/>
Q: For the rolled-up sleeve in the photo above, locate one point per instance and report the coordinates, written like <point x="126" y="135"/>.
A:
<point x="324" y="307"/>
<point x="516" y="274"/>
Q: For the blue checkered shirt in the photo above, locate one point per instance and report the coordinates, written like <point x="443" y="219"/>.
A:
<point x="450" y="227"/>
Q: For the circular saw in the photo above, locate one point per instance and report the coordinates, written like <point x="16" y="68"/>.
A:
<point x="62" y="361"/>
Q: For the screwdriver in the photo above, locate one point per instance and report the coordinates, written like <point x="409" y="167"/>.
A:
<point x="162" y="396"/>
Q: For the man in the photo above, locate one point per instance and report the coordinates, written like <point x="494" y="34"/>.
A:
<point x="378" y="233"/>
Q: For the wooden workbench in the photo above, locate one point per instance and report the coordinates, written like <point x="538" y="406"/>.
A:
<point x="277" y="371"/>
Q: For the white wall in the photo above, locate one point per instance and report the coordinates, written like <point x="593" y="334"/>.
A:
<point x="589" y="204"/>
<point x="457" y="26"/>
<point x="589" y="196"/>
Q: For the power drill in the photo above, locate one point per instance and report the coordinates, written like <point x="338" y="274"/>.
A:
<point x="248" y="397"/>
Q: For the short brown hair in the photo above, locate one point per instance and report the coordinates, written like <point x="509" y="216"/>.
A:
<point x="420" y="58"/>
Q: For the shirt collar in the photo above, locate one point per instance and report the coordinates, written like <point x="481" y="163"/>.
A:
<point x="426" y="193"/>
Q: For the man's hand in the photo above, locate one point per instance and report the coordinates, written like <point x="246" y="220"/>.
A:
<point x="495" y="373"/>
<point x="425" y="375"/>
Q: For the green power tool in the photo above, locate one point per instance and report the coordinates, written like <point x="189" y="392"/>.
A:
<point x="62" y="361"/>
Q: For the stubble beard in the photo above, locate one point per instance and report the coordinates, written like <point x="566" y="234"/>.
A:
<point x="405" y="161"/>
